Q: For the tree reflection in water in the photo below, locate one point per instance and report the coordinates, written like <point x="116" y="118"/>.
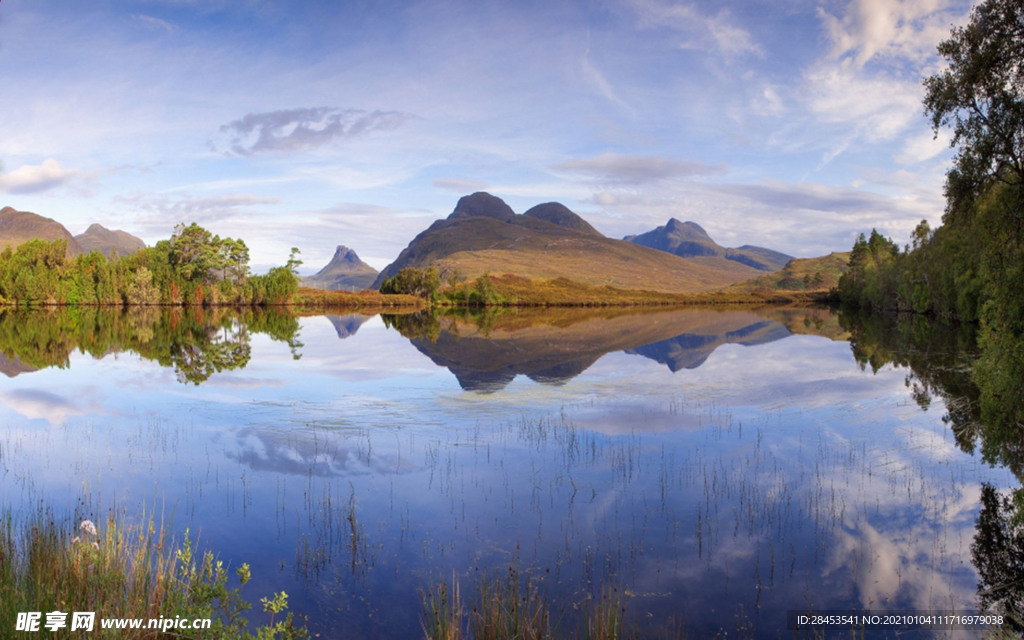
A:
<point x="985" y="410"/>
<point x="998" y="555"/>
<point x="196" y="342"/>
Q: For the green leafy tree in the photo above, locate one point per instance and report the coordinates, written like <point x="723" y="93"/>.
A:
<point x="294" y="263"/>
<point x="141" y="290"/>
<point x="235" y="260"/>
<point x="194" y="267"/>
<point x="193" y="252"/>
<point x="980" y="95"/>
<point x="413" y="281"/>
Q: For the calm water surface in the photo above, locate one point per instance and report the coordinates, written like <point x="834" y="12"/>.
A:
<point x="719" y="468"/>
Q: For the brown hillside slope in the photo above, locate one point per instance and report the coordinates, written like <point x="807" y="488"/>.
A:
<point x="108" y="242"/>
<point x="17" y="227"/>
<point x="801" y="274"/>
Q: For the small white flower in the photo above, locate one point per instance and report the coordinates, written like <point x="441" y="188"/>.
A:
<point x="96" y="546"/>
<point x="75" y="540"/>
<point x="88" y="527"/>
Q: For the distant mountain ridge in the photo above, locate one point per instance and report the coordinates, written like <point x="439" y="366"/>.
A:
<point x="344" y="272"/>
<point x="484" y="235"/>
<point x="689" y="240"/>
<point x="17" y="227"/>
<point x="109" y="243"/>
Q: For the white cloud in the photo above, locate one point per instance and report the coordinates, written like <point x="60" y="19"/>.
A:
<point x="804" y="220"/>
<point x="923" y="146"/>
<point x="697" y="29"/>
<point x="155" y="24"/>
<point x="161" y="213"/>
<point x="768" y="102"/>
<point x="878" y="107"/>
<point x="36" y="178"/>
<point x="459" y="185"/>
<point x="628" y="169"/>
<point x="593" y="76"/>
<point x="896" y="29"/>
<point x="867" y="87"/>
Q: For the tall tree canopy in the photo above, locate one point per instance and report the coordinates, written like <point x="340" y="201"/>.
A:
<point x="980" y="95"/>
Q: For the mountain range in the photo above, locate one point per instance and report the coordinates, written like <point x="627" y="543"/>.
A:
<point x="484" y="235"/>
<point x="17" y="227"/>
<point x="689" y="240"/>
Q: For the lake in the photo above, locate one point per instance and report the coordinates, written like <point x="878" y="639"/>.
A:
<point x="716" y="469"/>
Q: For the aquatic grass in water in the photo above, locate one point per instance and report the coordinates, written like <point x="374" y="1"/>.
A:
<point x="122" y="571"/>
<point x="443" y="612"/>
<point x="516" y="608"/>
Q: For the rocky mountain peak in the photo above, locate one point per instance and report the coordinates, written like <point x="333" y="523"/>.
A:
<point x="482" y="204"/>
<point x="559" y="214"/>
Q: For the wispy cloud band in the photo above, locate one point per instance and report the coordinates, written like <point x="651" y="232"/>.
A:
<point x="305" y="128"/>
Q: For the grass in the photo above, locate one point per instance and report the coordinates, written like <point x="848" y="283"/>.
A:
<point x="511" y="290"/>
<point x="47" y="564"/>
<point x="318" y="299"/>
<point x="813" y="276"/>
<point x="514" y="608"/>
<point x="516" y="291"/>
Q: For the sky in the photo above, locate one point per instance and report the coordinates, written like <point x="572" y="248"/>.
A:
<point x="788" y="124"/>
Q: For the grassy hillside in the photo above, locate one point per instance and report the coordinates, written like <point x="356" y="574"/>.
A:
<point x="801" y="274"/>
<point x="313" y="299"/>
<point x="600" y="262"/>
<point x="548" y="242"/>
<point x="514" y="290"/>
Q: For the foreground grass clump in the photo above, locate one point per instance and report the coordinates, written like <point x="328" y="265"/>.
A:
<point x="124" y="572"/>
<point x="514" y="608"/>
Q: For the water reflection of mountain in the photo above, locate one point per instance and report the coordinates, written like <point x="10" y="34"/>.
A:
<point x="690" y="350"/>
<point x="487" y="354"/>
<point x="13" y="366"/>
<point x="485" y="364"/>
<point x="348" y="324"/>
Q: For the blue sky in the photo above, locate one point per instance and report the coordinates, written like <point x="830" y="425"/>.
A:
<point x="788" y="124"/>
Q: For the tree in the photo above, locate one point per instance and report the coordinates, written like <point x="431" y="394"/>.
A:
<point x="194" y="252"/>
<point x="294" y="263"/>
<point x="413" y="281"/>
<point x="141" y="290"/>
<point x="235" y="260"/>
<point x="981" y="96"/>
